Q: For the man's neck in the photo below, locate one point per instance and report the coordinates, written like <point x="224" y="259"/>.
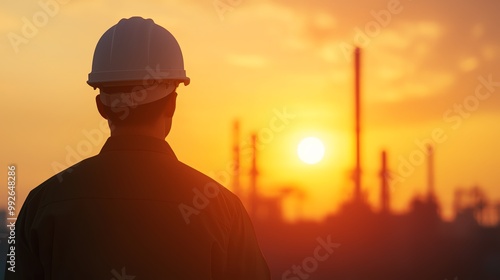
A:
<point x="156" y="132"/>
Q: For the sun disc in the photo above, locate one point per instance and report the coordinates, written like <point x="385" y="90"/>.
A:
<point x="311" y="150"/>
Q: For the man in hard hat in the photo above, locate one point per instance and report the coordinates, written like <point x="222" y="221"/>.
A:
<point x="134" y="211"/>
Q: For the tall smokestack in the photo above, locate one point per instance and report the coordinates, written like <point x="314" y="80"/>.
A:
<point x="236" y="159"/>
<point x="357" y="92"/>
<point x="430" y="173"/>
<point x="385" y="199"/>
<point x="253" y="178"/>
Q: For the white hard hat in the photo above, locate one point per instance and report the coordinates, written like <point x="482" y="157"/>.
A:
<point x="137" y="52"/>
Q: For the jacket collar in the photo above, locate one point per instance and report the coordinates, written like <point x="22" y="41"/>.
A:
<point x="137" y="143"/>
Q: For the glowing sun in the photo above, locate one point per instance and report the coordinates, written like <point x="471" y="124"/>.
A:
<point x="311" y="150"/>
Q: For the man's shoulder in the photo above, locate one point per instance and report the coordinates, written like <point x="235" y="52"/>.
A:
<point x="205" y="182"/>
<point x="36" y="195"/>
<point x="191" y="185"/>
<point x="208" y="197"/>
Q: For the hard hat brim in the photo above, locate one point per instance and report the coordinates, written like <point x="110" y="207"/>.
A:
<point x="122" y="78"/>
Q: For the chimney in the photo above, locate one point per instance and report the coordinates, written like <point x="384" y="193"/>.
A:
<point x="236" y="159"/>
<point x="357" y="94"/>
<point x="253" y="178"/>
<point x="385" y="199"/>
<point x="430" y="174"/>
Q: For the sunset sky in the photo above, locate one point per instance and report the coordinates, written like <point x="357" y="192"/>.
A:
<point x="431" y="70"/>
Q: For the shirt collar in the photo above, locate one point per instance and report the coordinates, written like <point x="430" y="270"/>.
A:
<point x="137" y="143"/>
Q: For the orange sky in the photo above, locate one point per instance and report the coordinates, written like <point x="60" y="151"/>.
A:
<point x="251" y="59"/>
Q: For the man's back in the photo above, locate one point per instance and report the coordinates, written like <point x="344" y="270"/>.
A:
<point x="135" y="210"/>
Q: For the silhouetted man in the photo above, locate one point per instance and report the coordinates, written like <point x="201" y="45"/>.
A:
<point x="135" y="211"/>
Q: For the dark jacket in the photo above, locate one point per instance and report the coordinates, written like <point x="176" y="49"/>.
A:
<point x="135" y="212"/>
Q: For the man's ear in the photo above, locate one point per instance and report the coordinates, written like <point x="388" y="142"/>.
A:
<point x="100" y="107"/>
<point x="171" y="102"/>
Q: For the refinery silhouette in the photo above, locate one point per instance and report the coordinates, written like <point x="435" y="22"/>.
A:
<point x="358" y="242"/>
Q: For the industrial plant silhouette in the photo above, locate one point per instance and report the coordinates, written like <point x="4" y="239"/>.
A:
<point x="358" y="242"/>
<point x="381" y="244"/>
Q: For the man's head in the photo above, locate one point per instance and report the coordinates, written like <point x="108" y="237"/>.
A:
<point x="137" y="67"/>
<point x="154" y="115"/>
